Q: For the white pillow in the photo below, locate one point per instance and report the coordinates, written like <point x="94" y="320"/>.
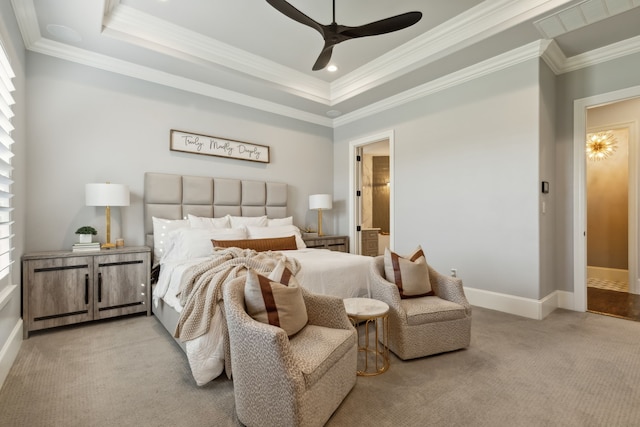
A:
<point x="237" y="221"/>
<point x="187" y="243"/>
<point x="274" y="222"/>
<point x="203" y="222"/>
<point x="161" y="229"/>
<point x="276" y="231"/>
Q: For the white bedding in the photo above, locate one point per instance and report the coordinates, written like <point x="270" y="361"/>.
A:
<point x="334" y="273"/>
<point x="324" y="272"/>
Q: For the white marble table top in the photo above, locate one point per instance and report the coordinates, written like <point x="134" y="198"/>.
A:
<point x="366" y="308"/>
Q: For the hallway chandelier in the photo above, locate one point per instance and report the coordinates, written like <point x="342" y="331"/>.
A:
<point x="601" y="145"/>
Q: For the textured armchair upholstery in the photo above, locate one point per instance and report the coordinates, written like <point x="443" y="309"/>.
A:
<point x="297" y="381"/>
<point x="426" y="325"/>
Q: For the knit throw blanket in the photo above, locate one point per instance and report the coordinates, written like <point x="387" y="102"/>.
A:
<point x="201" y="286"/>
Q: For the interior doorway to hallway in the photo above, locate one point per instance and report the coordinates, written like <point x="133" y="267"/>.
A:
<point x="608" y="217"/>
<point x="608" y="187"/>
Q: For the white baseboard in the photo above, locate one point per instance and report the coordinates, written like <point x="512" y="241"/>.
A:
<point x="525" y="307"/>
<point x="9" y="351"/>
<point x="615" y="274"/>
<point x="10" y="347"/>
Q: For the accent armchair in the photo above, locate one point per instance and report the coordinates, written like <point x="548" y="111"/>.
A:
<point x="290" y="381"/>
<point x="425" y="325"/>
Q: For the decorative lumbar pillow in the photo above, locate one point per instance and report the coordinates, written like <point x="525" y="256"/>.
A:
<point x="275" y="303"/>
<point x="255" y="232"/>
<point x="259" y="245"/>
<point x="410" y="274"/>
<point x="204" y="222"/>
<point x="188" y="243"/>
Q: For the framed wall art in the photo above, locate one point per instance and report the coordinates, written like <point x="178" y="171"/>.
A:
<point x="189" y="142"/>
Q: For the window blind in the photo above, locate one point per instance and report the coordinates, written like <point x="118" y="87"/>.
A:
<point x="6" y="114"/>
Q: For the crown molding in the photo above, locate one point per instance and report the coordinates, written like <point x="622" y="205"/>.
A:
<point x="107" y="63"/>
<point x="127" y="23"/>
<point x="547" y="50"/>
<point x="554" y="57"/>
<point x="497" y="63"/>
<point x="27" y="19"/>
<point x="603" y="54"/>
<point x="560" y="64"/>
<point x="475" y="24"/>
<point x="472" y="26"/>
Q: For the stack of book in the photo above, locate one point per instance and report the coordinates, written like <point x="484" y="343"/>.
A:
<point x="86" y="247"/>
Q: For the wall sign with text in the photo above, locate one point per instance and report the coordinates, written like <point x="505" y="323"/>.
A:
<point x="220" y="147"/>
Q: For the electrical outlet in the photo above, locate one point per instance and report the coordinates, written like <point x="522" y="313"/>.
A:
<point x="454" y="272"/>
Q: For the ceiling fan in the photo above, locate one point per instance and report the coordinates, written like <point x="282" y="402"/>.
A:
<point x="334" y="33"/>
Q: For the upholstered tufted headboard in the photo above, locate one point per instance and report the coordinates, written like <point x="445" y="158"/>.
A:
<point x="175" y="196"/>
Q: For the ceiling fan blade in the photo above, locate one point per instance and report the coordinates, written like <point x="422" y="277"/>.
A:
<point x="324" y="58"/>
<point x="383" y="26"/>
<point x="286" y="9"/>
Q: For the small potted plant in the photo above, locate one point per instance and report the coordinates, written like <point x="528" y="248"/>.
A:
<point x="86" y="233"/>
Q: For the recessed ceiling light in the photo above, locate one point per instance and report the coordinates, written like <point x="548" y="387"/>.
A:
<point x="332" y="68"/>
<point x="63" y="33"/>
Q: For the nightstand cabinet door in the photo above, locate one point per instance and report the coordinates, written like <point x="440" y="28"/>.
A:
<point x="60" y="292"/>
<point x="121" y="284"/>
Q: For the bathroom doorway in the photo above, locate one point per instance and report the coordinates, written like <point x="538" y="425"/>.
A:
<point x="371" y="198"/>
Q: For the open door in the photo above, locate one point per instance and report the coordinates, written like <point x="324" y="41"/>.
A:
<point x="581" y="106"/>
<point x="371" y="213"/>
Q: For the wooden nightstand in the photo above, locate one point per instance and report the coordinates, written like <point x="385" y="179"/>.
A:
<point x="334" y="243"/>
<point x="369" y="239"/>
<point x="64" y="287"/>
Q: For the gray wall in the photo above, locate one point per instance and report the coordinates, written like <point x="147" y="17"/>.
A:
<point x="466" y="178"/>
<point x="547" y="206"/>
<point x="10" y="331"/>
<point x="88" y="125"/>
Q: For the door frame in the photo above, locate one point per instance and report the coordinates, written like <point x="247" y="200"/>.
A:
<point x="580" y="107"/>
<point x="354" y="207"/>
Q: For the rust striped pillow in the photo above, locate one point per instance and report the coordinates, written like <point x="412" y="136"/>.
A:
<point x="259" y="245"/>
<point x="276" y="302"/>
<point x="410" y="274"/>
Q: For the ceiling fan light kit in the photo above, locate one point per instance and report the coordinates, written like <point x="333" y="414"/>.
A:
<point x="334" y="33"/>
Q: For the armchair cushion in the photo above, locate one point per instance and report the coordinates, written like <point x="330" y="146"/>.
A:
<point x="275" y="303"/>
<point x="316" y="349"/>
<point x="430" y="310"/>
<point x="410" y="274"/>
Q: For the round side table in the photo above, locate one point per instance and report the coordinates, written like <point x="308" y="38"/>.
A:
<point x="372" y="313"/>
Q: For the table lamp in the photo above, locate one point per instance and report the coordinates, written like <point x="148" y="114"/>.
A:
<point x="107" y="194"/>
<point x="320" y="202"/>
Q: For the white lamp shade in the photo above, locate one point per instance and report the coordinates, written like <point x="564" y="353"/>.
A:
<point x="106" y="194"/>
<point x="320" y="201"/>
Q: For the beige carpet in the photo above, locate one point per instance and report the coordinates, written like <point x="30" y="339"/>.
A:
<point x="571" y="369"/>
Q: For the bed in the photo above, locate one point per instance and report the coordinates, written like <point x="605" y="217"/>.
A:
<point x="171" y="205"/>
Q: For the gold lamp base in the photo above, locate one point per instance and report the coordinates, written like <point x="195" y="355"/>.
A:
<point x="320" y="223"/>
<point x="108" y="244"/>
